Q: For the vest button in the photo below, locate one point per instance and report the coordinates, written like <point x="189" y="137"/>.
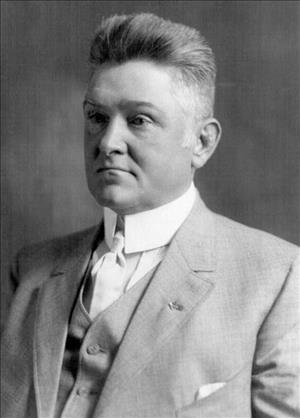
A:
<point x="94" y="349"/>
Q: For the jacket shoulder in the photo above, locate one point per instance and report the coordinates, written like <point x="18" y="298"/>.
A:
<point x="50" y="252"/>
<point x="254" y="244"/>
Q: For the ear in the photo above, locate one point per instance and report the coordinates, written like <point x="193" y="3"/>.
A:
<point x="209" y="134"/>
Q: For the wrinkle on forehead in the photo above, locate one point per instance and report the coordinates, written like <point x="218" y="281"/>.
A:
<point x="139" y="84"/>
<point x="190" y="96"/>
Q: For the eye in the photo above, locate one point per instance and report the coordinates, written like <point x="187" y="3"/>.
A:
<point x="95" y="121"/>
<point x="140" y="120"/>
<point x="97" y="117"/>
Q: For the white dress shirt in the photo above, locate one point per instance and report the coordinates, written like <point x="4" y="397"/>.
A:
<point x="147" y="235"/>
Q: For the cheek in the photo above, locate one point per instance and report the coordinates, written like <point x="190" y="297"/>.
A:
<point x="161" y="158"/>
<point x="91" y="149"/>
<point x="176" y="163"/>
<point x="88" y="159"/>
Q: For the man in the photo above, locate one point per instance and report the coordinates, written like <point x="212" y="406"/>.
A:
<point x="166" y="309"/>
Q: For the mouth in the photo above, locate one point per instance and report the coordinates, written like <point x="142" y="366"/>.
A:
<point x="110" y="169"/>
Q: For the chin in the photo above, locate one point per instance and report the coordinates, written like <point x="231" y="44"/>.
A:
<point x="118" y="201"/>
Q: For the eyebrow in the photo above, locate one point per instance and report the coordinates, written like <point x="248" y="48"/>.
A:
<point x="123" y="104"/>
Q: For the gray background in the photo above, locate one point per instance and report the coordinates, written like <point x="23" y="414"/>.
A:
<point x="254" y="175"/>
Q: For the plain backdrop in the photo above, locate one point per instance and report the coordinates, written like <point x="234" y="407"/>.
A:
<point x="254" y="176"/>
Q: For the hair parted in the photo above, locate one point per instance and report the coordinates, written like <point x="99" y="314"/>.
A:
<point x="121" y="38"/>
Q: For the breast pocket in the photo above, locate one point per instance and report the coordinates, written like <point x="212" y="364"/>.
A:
<point x="230" y="399"/>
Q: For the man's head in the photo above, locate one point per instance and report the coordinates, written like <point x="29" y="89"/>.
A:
<point x="148" y="111"/>
<point x="181" y="49"/>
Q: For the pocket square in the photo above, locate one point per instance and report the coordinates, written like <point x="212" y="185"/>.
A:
<point x="208" y="389"/>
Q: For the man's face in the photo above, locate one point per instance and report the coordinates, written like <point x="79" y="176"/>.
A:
<point x="134" y="130"/>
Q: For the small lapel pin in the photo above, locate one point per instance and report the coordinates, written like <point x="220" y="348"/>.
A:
<point x="176" y="306"/>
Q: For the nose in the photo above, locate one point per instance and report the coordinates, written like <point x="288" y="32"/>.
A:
<point x="113" y="139"/>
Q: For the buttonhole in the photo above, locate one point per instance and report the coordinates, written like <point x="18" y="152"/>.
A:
<point x="57" y="273"/>
<point x="94" y="392"/>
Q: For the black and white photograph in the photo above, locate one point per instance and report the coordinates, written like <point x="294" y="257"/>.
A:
<point x="150" y="209"/>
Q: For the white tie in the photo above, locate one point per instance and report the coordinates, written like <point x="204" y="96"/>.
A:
<point x="108" y="275"/>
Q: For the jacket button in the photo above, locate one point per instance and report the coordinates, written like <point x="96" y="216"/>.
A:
<point x="94" y="349"/>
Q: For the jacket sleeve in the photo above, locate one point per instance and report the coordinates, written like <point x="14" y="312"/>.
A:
<point x="276" y="367"/>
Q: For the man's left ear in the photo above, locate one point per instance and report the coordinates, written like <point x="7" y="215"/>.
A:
<point x="208" y="136"/>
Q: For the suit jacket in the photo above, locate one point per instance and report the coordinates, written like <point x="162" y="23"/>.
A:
<point x="215" y="335"/>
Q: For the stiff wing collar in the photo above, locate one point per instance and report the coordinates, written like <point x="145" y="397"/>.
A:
<point x="153" y="228"/>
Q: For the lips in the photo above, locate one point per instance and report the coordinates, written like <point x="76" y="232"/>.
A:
<point x="112" y="171"/>
<point x="103" y="169"/>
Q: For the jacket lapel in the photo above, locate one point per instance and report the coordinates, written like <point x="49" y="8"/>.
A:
<point x="182" y="281"/>
<point x="55" y="300"/>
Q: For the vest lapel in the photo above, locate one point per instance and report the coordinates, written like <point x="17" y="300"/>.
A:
<point x="55" y="300"/>
<point x="182" y="281"/>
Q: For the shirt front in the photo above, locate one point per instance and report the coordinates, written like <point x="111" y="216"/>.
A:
<point x="147" y="235"/>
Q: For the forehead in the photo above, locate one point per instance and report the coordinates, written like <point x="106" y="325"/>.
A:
<point x="132" y="81"/>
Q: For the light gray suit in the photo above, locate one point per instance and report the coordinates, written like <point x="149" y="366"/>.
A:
<point x="226" y="347"/>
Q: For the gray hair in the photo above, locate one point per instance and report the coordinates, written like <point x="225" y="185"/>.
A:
<point x="121" y="38"/>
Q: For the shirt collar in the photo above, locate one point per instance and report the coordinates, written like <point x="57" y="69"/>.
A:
<point x="152" y="228"/>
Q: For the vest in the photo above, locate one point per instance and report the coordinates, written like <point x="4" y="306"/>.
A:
<point x="91" y="347"/>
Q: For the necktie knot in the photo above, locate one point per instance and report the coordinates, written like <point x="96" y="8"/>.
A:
<point x="118" y="243"/>
<point x="115" y="255"/>
<point x="118" y="247"/>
